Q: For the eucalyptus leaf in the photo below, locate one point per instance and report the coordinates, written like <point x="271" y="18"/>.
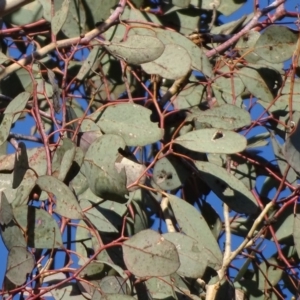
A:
<point x="166" y="66"/>
<point x="190" y="220"/>
<point x="131" y="122"/>
<point x="42" y="230"/>
<point x="66" y="203"/>
<point x="20" y="262"/>
<point x="213" y="141"/>
<point x="227" y="187"/>
<point x="137" y="49"/>
<point x="147" y="252"/>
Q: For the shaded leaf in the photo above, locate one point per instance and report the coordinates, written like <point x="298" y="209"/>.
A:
<point x="55" y="89"/>
<point x="227" y="187"/>
<point x="169" y="173"/>
<point x="12" y="236"/>
<point x="291" y="149"/>
<point x="17" y="104"/>
<point x="41" y="229"/>
<point x="269" y="274"/>
<point x="257" y="83"/>
<point x="103" y="177"/>
<point x="190" y="220"/>
<point x="212" y="140"/>
<point x="147" y="253"/>
<point x="20" y="262"/>
<point x="63" y="159"/>
<point x="160" y="288"/>
<point x="94" y="214"/>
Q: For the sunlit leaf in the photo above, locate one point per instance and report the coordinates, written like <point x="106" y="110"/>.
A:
<point x="137" y="49"/>
<point x="66" y="203"/>
<point x="212" y="140"/>
<point x="131" y="122"/>
<point x="225" y="116"/>
<point x="194" y="258"/>
<point x="166" y="66"/>
<point x="189" y="221"/>
<point x="6" y="213"/>
<point x="147" y="253"/>
<point x="60" y="17"/>
<point x="276" y="44"/>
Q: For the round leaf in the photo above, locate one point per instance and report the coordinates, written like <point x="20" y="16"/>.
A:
<point x="137" y="49"/>
<point x="147" y="253"/>
<point x="131" y="122"/>
<point x="213" y="141"/>
<point x="169" y="173"/>
<point x="276" y="44"/>
<point x="194" y="258"/>
<point x="66" y="203"/>
<point x="166" y="65"/>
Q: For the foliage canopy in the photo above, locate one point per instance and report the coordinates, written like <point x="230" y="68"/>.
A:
<point x="158" y="136"/>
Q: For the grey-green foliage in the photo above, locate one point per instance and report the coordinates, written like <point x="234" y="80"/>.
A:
<point x="139" y="128"/>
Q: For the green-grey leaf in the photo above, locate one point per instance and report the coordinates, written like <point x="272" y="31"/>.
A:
<point x="291" y="149"/>
<point x="5" y="127"/>
<point x="255" y="84"/>
<point x="17" y="104"/>
<point x="137" y="49"/>
<point x="6" y="214"/>
<point x="190" y="220"/>
<point x="12" y="236"/>
<point x="213" y="141"/>
<point x="20" y="262"/>
<point x="147" y="253"/>
<point x="276" y="44"/>
<point x="194" y="258"/>
<point x="226" y="116"/>
<point x="94" y="214"/>
<point x="296" y="231"/>
<point x="166" y="65"/>
<point x="60" y="17"/>
<point x="102" y="175"/>
<point x="131" y="122"/>
<point x="269" y="274"/>
<point x="199" y="60"/>
<point x="169" y="173"/>
<point x="42" y="230"/>
<point x="227" y="187"/>
<point x="66" y="203"/>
